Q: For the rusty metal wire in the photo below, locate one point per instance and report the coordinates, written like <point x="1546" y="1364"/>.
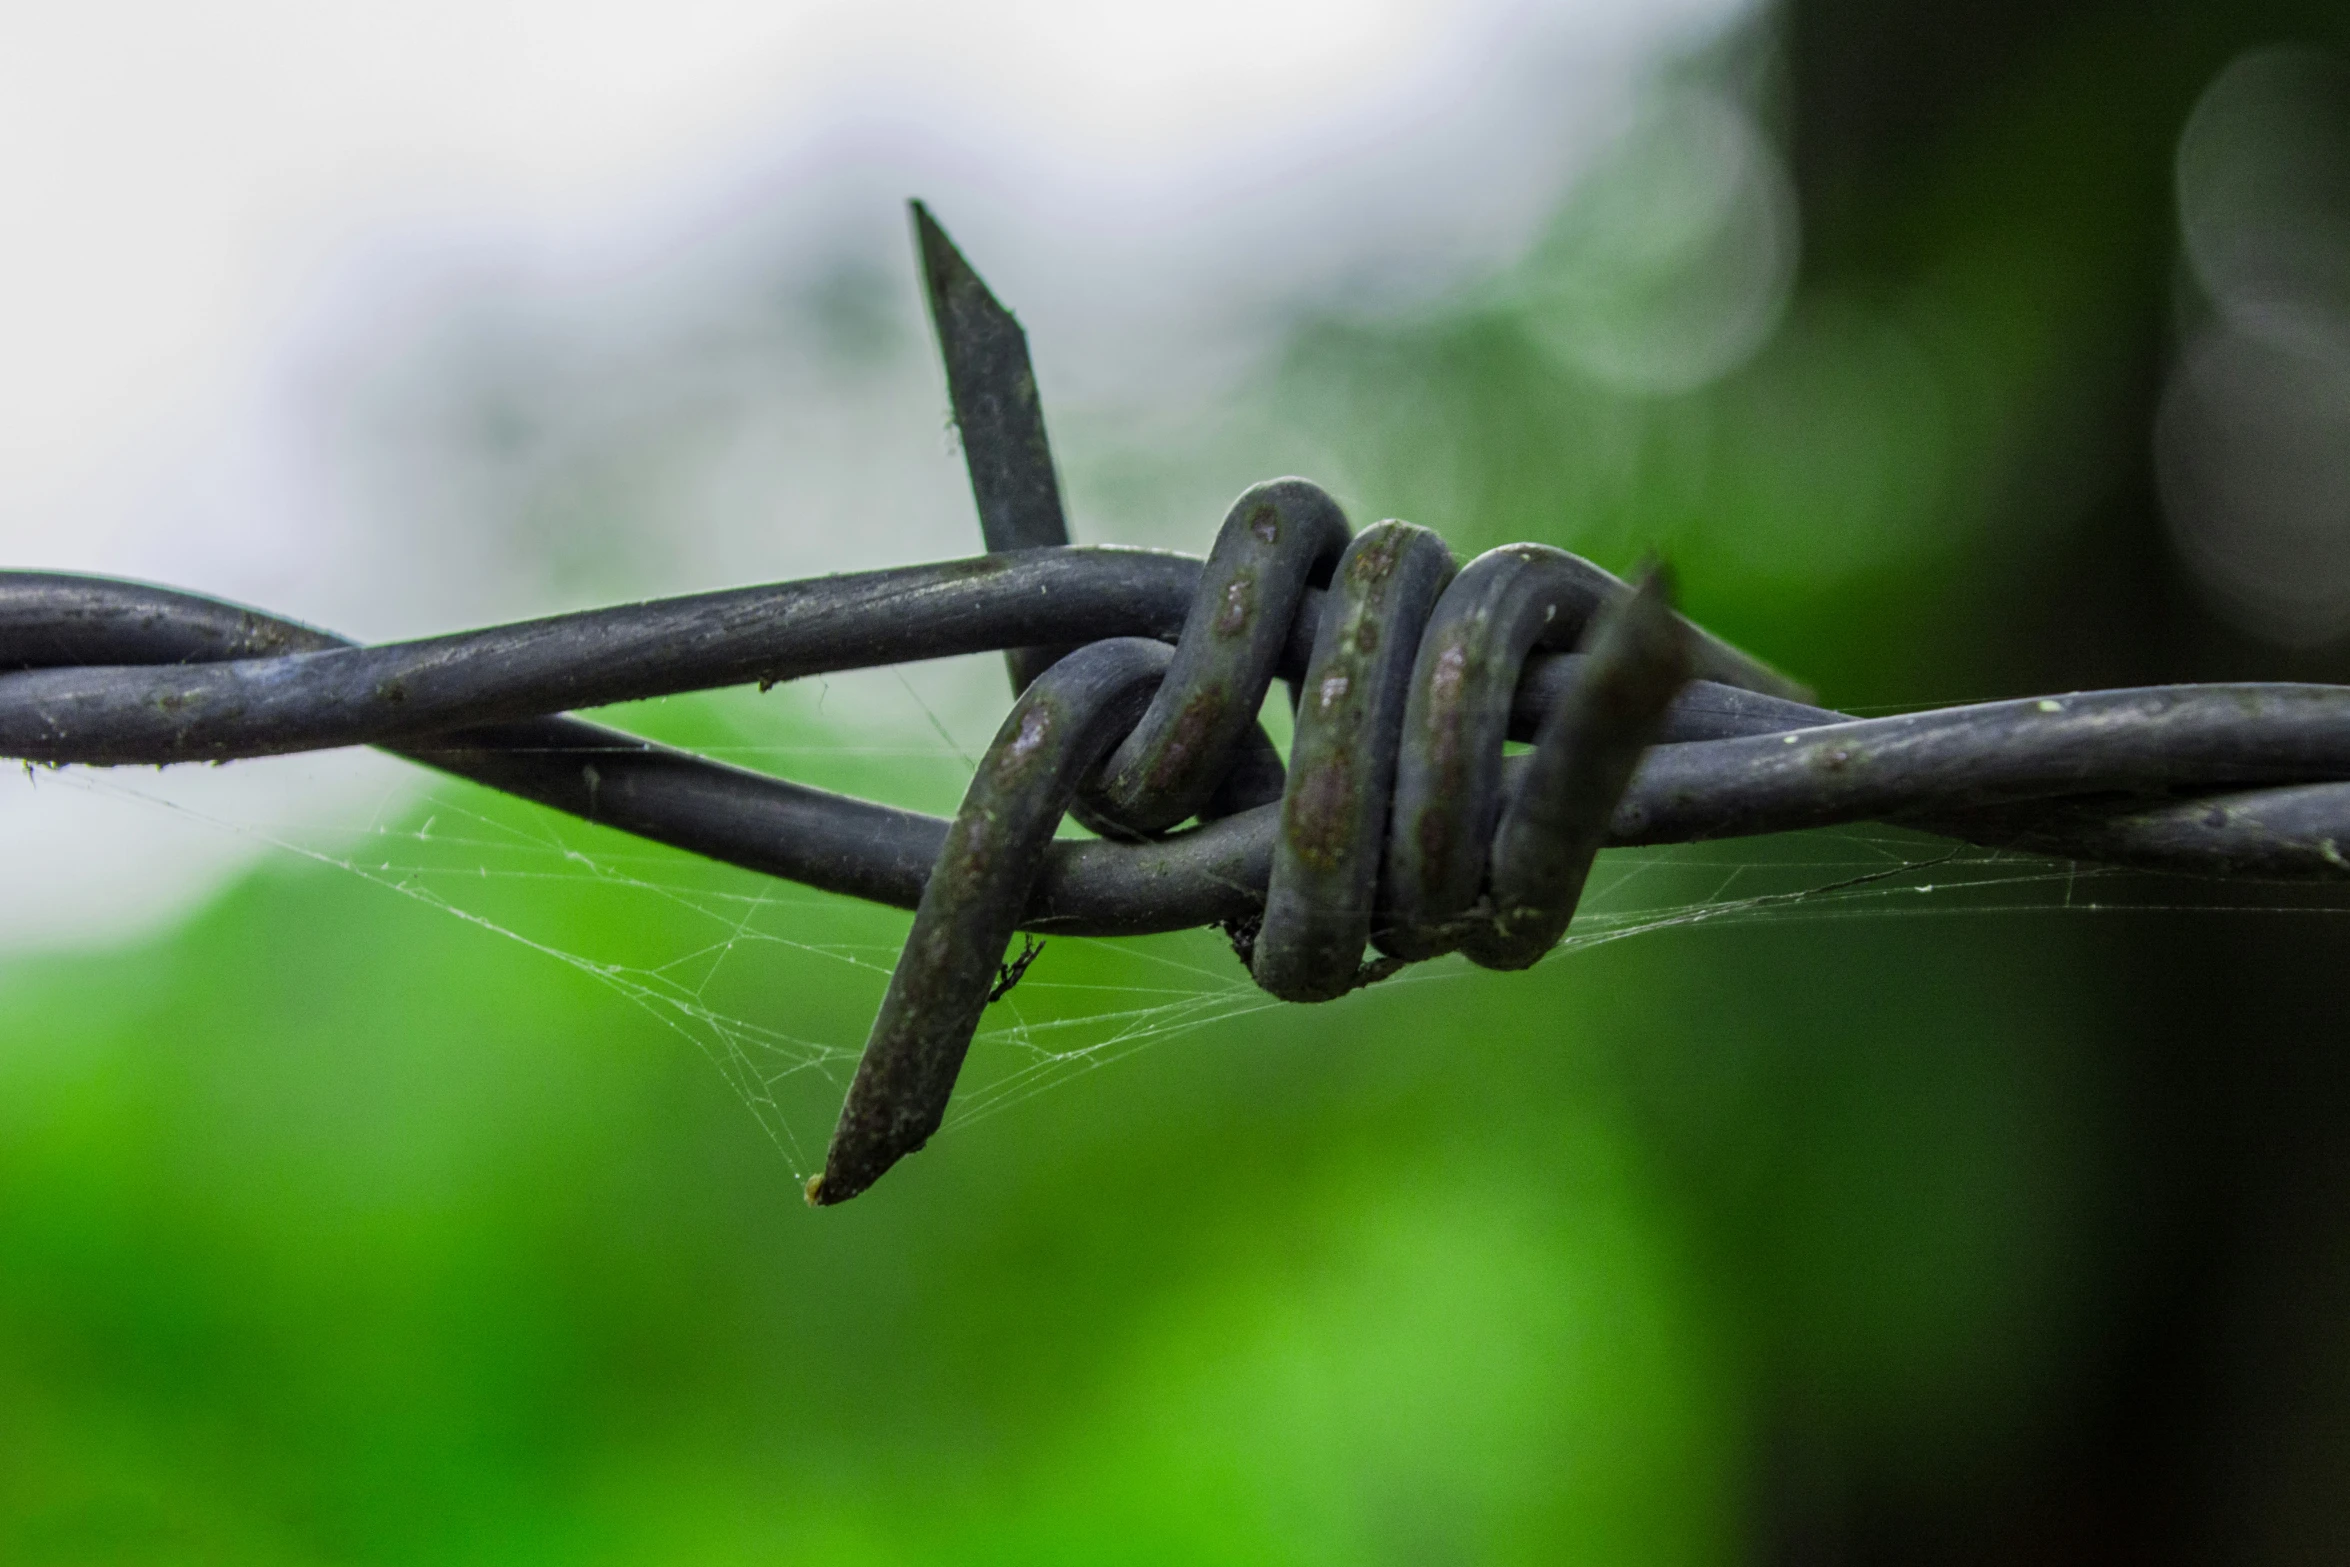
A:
<point x="1397" y="830"/>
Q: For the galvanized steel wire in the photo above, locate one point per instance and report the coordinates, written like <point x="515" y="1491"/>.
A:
<point x="1397" y="830"/>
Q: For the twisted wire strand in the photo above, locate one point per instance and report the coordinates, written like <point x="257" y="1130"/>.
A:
<point x="2231" y="780"/>
<point x="2164" y="777"/>
<point x="1398" y="825"/>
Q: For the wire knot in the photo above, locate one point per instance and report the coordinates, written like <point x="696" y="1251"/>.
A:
<point x="1402" y="828"/>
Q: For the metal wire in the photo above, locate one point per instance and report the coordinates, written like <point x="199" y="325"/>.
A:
<point x="1397" y="827"/>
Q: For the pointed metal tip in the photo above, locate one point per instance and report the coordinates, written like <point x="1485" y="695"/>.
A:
<point x="862" y="1152"/>
<point x="1654" y="577"/>
<point x="893" y="1107"/>
<point x="944" y="267"/>
<point x="926" y="229"/>
<point x="832" y="1186"/>
<point x="1642" y="632"/>
<point x="1716" y="659"/>
<point x="992" y="388"/>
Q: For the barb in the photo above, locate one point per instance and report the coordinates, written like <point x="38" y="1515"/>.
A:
<point x="992" y="388"/>
<point x="1398" y="826"/>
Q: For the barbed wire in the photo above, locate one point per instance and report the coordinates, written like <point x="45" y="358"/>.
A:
<point x="1398" y="825"/>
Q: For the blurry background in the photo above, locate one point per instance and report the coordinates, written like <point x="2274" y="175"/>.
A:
<point x="392" y="1174"/>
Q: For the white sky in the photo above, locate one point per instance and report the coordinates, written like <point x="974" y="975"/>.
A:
<point x="197" y="196"/>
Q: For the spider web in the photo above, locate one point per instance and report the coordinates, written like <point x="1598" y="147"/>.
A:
<point x="775" y="984"/>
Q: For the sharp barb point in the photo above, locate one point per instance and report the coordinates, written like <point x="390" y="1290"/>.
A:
<point x="992" y="386"/>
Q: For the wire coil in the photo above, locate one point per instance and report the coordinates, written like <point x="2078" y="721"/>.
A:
<point x="1397" y="831"/>
<point x="1404" y="700"/>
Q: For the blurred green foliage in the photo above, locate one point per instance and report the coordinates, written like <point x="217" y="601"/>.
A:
<point x="340" y="1230"/>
